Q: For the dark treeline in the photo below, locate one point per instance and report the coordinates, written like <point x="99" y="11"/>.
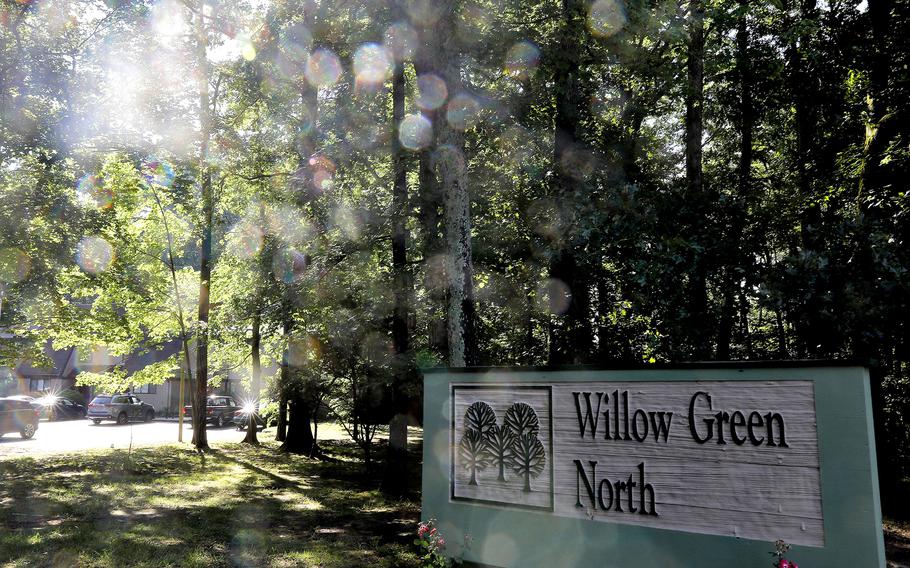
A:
<point x="380" y="186"/>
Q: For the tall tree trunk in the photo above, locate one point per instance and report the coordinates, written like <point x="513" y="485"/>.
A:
<point x="734" y="268"/>
<point x="571" y="333"/>
<point x="299" y="438"/>
<point x="452" y="169"/>
<point x="805" y="94"/>
<point x="256" y="339"/>
<point x="200" y="438"/>
<point x="430" y="203"/>
<point x="803" y="87"/>
<point x="877" y="100"/>
<point x="697" y="323"/>
<point x="396" y="477"/>
<point x="873" y="192"/>
<point x="285" y="377"/>
<point x="281" y="431"/>
<point x="255" y="385"/>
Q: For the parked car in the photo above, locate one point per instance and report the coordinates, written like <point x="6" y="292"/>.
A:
<point x="119" y="407"/>
<point x="18" y="416"/>
<point x="59" y="408"/>
<point x="219" y="410"/>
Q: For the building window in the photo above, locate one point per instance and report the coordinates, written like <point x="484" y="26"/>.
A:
<point x="38" y="385"/>
<point x="146" y="389"/>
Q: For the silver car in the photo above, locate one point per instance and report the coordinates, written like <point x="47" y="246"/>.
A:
<point x="119" y="407"/>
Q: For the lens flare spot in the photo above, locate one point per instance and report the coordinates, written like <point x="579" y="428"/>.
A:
<point x="302" y="350"/>
<point x="521" y="59"/>
<point x="606" y="18"/>
<point x="423" y="12"/>
<point x="323" y="172"/>
<point x="516" y="145"/>
<point x="372" y="64"/>
<point x="553" y="296"/>
<point x="90" y="192"/>
<point x="463" y="111"/>
<point x="14" y="265"/>
<point x="415" y="132"/>
<point x="323" y="180"/>
<point x="247" y="49"/>
<point x="323" y="68"/>
<point x="289" y="225"/>
<point x="289" y="265"/>
<point x="246" y="239"/>
<point x="578" y="162"/>
<point x="168" y="20"/>
<point x="94" y="254"/>
<point x="451" y="157"/>
<point x="401" y="40"/>
<point x="501" y="548"/>
<point x="432" y="91"/>
<point x="158" y="172"/>
<point x="347" y="221"/>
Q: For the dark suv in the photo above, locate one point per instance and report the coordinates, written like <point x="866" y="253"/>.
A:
<point x="18" y="416"/>
<point x="119" y="407"/>
<point x="219" y="410"/>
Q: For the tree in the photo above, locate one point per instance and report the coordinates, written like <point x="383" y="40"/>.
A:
<point x="521" y="420"/>
<point x="452" y="168"/>
<point x="697" y="308"/>
<point x="397" y="460"/>
<point x="501" y="446"/>
<point x="474" y="456"/>
<point x="480" y="416"/>
<point x="528" y="458"/>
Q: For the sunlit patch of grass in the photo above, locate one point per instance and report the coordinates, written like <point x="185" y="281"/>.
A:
<point x="169" y="506"/>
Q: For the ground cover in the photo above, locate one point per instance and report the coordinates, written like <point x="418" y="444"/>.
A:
<point x="237" y="506"/>
<point x="168" y="506"/>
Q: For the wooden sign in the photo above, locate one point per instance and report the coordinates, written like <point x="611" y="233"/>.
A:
<point x="734" y="455"/>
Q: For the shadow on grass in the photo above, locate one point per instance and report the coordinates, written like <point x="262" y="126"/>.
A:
<point x="165" y="506"/>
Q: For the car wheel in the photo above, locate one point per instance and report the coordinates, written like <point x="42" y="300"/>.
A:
<point x="219" y="422"/>
<point x="122" y="418"/>
<point x="27" y="431"/>
<point x="150" y="415"/>
<point x="96" y="420"/>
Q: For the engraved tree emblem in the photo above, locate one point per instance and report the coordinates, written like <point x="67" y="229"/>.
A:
<point x="474" y="453"/>
<point x="528" y="456"/>
<point x="521" y="419"/>
<point x="479" y="421"/>
<point x="479" y="416"/>
<point x="499" y="447"/>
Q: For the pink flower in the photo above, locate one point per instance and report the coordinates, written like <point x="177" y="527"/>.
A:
<point x="441" y="543"/>
<point x="433" y="531"/>
<point x="784" y="563"/>
<point x="422" y="530"/>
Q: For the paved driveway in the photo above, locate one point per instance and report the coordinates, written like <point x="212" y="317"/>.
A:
<point x="75" y="435"/>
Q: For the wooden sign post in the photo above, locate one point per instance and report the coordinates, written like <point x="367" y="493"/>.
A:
<point x="660" y="466"/>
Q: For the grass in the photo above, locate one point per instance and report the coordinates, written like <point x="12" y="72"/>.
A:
<point x="169" y="506"/>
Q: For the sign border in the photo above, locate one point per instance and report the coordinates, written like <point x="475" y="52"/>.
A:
<point x="847" y="468"/>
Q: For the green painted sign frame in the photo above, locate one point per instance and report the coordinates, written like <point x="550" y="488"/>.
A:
<point x="506" y="536"/>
